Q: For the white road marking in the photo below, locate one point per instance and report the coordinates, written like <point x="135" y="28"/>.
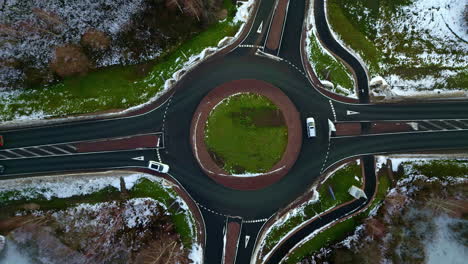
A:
<point x="46" y="151"/>
<point x="260" y="28"/>
<point x="4" y="157"/>
<point x="59" y="149"/>
<point x="247" y="238"/>
<point x="423" y="127"/>
<point x="71" y="146"/>
<point x="452" y="125"/>
<point x="30" y="152"/>
<point x="349" y="112"/>
<point x="333" y="109"/>
<point x="14" y="153"/>
<point x="439" y="127"/>
<point x="139" y="158"/>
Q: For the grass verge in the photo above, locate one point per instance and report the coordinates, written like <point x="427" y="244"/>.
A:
<point x="326" y="67"/>
<point x="246" y="133"/>
<point x="343" y="229"/>
<point x="340" y="182"/>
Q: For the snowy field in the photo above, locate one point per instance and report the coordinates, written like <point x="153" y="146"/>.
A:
<point x="419" y="46"/>
<point x="31" y="29"/>
<point x="134" y="213"/>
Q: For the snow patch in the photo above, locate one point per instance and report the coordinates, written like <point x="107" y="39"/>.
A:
<point x="243" y="11"/>
<point x="196" y="254"/>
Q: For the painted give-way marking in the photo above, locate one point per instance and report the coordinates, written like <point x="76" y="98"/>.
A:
<point x="247" y="238"/>
<point x="139" y="158"/>
<point x="348" y="112"/>
<point x="260" y="28"/>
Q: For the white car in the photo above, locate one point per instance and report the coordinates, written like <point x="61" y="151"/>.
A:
<point x="157" y="166"/>
<point x="310" y="125"/>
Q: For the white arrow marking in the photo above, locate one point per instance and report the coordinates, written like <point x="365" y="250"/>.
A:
<point x="139" y="158"/>
<point x="348" y="112"/>
<point x="331" y="126"/>
<point x="260" y="28"/>
<point x="247" y="238"/>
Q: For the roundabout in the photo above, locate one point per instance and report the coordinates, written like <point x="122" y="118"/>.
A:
<point x="275" y="113"/>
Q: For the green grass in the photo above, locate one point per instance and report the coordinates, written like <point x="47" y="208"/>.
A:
<point x="148" y="188"/>
<point x="326" y="237"/>
<point x="382" y="188"/>
<point x="340" y="182"/>
<point x="328" y="68"/>
<point x="240" y="143"/>
<point x="115" y="87"/>
<point x="352" y="34"/>
<point x="439" y="168"/>
<point x="105" y="194"/>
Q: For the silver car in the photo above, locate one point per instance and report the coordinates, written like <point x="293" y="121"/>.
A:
<point x="310" y="125"/>
<point x="157" y="166"/>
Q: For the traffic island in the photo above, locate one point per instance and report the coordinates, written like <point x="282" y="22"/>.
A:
<point x="273" y="159"/>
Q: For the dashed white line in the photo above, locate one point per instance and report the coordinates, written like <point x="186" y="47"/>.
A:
<point x="157" y="150"/>
<point x="211" y="211"/>
<point x="333" y="109"/>
<point x="250" y="46"/>
<point x="255" y="221"/>
<point x="326" y="156"/>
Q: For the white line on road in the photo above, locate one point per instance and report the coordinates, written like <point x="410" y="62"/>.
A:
<point x="30" y="152"/>
<point x="452" y="125"/>
<point x="14" y="153"/>
<point x="435" y="125"/>
<point x="46" y="151"/>
<point x="333" y="109"/>
<point x="59" y="149"/>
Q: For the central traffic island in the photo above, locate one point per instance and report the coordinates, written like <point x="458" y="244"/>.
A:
<point x="246" y="134"/>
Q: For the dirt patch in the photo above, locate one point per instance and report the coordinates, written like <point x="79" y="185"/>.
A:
<point x="95" y="39"/>
<point x="261" y="117"/>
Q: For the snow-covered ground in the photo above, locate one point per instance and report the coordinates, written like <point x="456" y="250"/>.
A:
<point x="33" y="28"/>
<point x="420" y="47"/>
<point x="443" y="247"/>
<point x="311" y="36"/>
<point x="184" y="64"/>
<point x="137" y="211"/>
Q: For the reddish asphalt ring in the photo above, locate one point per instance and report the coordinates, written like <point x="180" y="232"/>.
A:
<point x="291" y="117"/>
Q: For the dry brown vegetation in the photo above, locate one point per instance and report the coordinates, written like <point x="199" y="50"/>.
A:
<point x="95" y="39"/>
<point x="70" y="60"/>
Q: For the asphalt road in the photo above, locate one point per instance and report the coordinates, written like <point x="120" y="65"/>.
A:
<point x="173" y="117"/>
